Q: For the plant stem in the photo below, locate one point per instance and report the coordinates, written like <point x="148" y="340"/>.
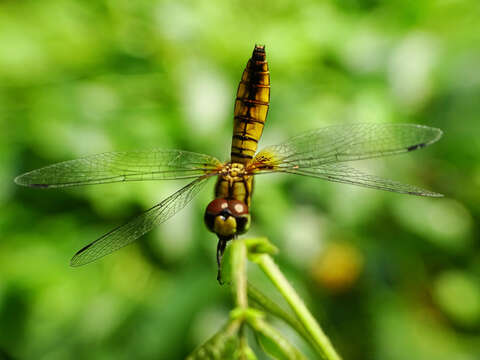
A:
<point x="269" y="267"/>
<point x="239" y="277"/>
<point x="239" y="271"/>
<point x="274" y="343"/>
<point x="271" y="307"/>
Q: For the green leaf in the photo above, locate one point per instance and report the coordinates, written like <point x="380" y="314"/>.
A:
<point x="244" y="352"/>
<point x="259" y="246"/>
<point x="223" y="345"/>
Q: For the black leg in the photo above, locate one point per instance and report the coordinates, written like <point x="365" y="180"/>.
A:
<point x="220" y="249"/>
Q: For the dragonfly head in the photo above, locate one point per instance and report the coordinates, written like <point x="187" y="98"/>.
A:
<point x="227" y="218"/>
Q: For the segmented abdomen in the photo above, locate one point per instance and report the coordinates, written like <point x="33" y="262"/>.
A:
<point x="251" y="107"/>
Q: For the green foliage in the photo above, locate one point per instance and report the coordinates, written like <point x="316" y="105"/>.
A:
<point x="223" y="345"/>
<point x="270" y="340"/>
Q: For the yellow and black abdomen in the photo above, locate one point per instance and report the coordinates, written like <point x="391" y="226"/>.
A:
<point x="251" y="107"/>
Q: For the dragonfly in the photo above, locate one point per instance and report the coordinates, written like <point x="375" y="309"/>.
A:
<point x="323" y="153"/>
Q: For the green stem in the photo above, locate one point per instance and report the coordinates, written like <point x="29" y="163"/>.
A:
<point x="239" y="277"/>
<point x="271" y="307"/>
<point x="269" y="267"/>
<point x="274" y="343"/>
<point x="239" y="272"/>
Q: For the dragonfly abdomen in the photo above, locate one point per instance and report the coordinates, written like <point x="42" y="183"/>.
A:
<point x="251" y="107"/>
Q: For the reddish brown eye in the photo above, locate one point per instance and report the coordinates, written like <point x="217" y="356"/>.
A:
<point x="237" y="208"/>
<point x="216" y="206"/>
<point x="212" y="211"/>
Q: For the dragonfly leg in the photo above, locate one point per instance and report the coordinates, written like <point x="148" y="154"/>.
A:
<point x="222" y="243"/>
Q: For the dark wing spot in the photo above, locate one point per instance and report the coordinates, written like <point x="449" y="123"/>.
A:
<point x="417" y="146"/>
<point x="74" y="261"/>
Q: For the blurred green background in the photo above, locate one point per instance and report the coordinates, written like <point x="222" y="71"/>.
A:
<point x="389" y="276"/>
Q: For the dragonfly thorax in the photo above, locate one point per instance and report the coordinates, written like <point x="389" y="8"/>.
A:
<point x="233" y="172"/>
<point x="234" y="182"/>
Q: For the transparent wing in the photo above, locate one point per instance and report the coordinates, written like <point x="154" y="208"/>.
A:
<point x="131" y="231"/>
<point x="347" y="175"/>
<point x="121" y="166"/>
<point x="347" y="142"/>
<point x="320" y="153"/>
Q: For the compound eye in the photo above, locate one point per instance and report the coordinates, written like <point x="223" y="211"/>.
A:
<point x="217" y="206"/>
<point x="212" y="211"/>
<point x="237" y="208"/>
<point x="243" y="223"/>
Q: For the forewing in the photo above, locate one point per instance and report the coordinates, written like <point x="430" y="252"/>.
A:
<point x="344" y="174"/>
<point x="121" y="166"/>
<point x="322" y="152"/>
<point x="347" y="142"/>
<point x="129" y="232"/>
